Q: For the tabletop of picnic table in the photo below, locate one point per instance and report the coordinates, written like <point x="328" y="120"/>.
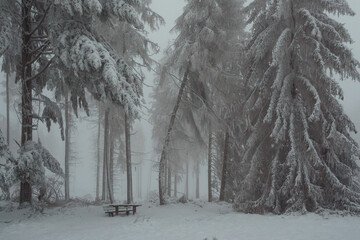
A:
<point x="125" y="205"/>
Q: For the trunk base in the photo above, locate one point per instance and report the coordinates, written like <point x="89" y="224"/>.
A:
<point x="25" y="193"/>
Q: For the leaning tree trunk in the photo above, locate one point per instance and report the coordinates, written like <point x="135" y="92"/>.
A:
<point x="67" y="147"/>
<point x="128" y="160"/>
<point x="26" y="85"/>
<point x="224" y="167"/>
<point x="209" y="168"/>
<point x="167" y="138"/>
<point x="197" y="173"/>
<point x="7" y="110"/>
<point x="98" y="159"/>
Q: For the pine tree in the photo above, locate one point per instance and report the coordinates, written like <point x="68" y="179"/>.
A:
<point x="299" y="155"/>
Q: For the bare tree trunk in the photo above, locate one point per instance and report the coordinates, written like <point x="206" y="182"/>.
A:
<point x="166" y="178"/>
<point x="104" y="177"/>
<point x="67" y="147"/>
<point x="98" y="159"/>
<point x="224" y="167"/>
<point x="167" y="138"/>
<point x="197" y="172"/>
<point x="7" y="110"/>
<point x="128" y="160"/>
<point x="175" y="184"/>
<point x="169" y="180"/>
<point x="187" y="179"/>
<point x="209" y="168"/>
<point x="112" y="162"/>
<point x="106" y="155"/>
<point x="26" y="98"/>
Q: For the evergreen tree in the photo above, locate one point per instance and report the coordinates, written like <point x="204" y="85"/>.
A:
<point x="210" y="34"/>
<point x="299" y="155"/>
<point x="52" y="40"/>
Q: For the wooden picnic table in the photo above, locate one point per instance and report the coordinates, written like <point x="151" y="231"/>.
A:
<point x="126" y="206"/>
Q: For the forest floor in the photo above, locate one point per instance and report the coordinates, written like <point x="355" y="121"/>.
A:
<point x="194" y="220"/>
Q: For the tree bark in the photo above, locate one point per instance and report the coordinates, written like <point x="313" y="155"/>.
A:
<point x="7" y="110"/>
<point x="169" y="180"/>
<point x="67" y="147"/>
<point x="197" y="172"/>
<point x="112" y="162"/>
<point x="104" y="177"/>
<point x="26" y="98"/>
<point x="106" y="156"/>
<point x="209" y="168"/>
<point x="166" y="178"/>
<point x="98" y="159"/>
<point x="128" y="160"/>
<point x="175" y="185"/>
<point x="187" y="179"/>
<point x="167" y="138"/>
<point x="224" y="167"/>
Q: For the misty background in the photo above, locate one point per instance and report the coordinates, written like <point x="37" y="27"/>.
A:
<point x="83" y="167"/>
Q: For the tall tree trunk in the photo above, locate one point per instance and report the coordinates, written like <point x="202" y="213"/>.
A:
<point x="106" y="156"/>
<point x="140" y="181"/>
<point x="98" y="159"/>
<point x="104" y="177"/>
<point x="224" y="167"/>
<point x="128" y="160"/>
<point x="197" y="172"/>
<point x="209" y="168"/>
<point x="112" y="145"/>
<point x="67" y="147"/>
<point x="167" y="138"/>
<point x="26" y="84"/>
<point x="169" y="180"/>
<point x="7" y="110"/>
<point x="187" y="179"/>
<point x="166" y="178"/>
<point x="175" y="185"/>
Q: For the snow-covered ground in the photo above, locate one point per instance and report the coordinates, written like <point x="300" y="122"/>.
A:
<point x="196" y="220"/>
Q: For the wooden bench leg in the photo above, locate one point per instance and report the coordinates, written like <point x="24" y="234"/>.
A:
<point x="127" y="213"/>
<point x="134" y="210"/>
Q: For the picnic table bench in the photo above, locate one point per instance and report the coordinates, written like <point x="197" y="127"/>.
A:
<point x="117" y="208"/>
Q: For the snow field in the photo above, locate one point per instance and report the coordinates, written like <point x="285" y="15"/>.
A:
<point x="197" y="220"/>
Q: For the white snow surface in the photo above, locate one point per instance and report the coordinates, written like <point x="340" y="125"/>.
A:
<point x="195" y="220"/>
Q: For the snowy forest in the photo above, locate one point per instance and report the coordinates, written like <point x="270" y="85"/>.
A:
<point x="205" y="119"/>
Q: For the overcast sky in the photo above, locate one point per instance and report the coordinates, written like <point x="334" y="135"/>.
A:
<point x="83" y="179"/>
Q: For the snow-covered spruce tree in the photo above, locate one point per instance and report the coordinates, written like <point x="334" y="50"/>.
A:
<point x="31" y="164"/>
<point x="56" y="39"/>
<point x="136" y="49"/>
<point x="299" y="153"/>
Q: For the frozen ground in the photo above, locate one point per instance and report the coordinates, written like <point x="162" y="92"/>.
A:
<point x="196" y="220"/>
